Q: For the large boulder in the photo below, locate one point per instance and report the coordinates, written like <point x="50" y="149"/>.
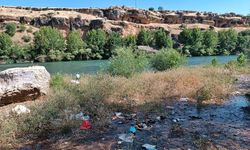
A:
<point x="23" y="84"/>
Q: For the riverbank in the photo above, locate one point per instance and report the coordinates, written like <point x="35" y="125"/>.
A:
<point x="170" y="95"/>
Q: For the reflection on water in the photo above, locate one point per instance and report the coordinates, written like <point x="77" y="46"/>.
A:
<point x="94" y="66"/>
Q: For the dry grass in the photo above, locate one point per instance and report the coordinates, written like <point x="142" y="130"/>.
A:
<point x="101" y="95"/>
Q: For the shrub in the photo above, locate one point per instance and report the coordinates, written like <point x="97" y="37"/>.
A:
<point x="10" y="29"/>
<point x="126" y="63"/>
<point x="75" y="45"/>
<point x="166" y="59"/>
<point x="29" y="30"/>
<point x="22" y="28"/>
<point x="160" y="8"/>
<point x="241" y="59"/>
<point x="214" y="62"/>
<point x="57" y="81"/>
<point x="26" y="38"/>
<point x="204" y="93"/>
<point x="49" y="41"/>
<point x="5" y="44"/>
<point x="162" y="40"/>
<point x="130" y="41"/>
<point x="96" y="40"/>
<point x="145" y="37"/>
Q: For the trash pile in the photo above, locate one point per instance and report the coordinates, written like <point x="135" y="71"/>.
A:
<point x="135" y="127"/>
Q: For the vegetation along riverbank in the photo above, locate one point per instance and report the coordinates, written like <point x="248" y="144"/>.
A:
<point x="124" y="87"/>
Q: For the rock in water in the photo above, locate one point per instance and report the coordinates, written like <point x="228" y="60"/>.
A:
<point x="23" y="84"/>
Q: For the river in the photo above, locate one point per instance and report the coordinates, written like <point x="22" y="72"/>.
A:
<point x="93" y="66"/>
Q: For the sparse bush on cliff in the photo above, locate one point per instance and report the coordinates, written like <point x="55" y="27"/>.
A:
<point x="130" y="41"/>
<point x="10" y="29"/>
<point x="151" y="9"/>
<point x="22" y="28"/>
<point x="145" y="37"/>
<point x="126" y="63"/>
<point x="162" y="39"/>
<point x="96" y="40"/>
<point x="26" y="38"/>
<point x="29" y="30"/>
<point x="76" y="47"/>
<point x="167" y="59"/>
<point x="50" y="42"/>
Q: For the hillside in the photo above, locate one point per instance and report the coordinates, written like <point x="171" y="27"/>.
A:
<point x="119" y="19"/>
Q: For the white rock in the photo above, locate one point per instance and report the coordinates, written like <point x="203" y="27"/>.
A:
<point x="75" y="81"/>
<point x="20" y="109"/>
<point x="149" y="147"/>
<point x="22" y="84"/>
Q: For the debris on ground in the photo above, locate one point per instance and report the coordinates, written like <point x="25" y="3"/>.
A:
<point x="132" y="129"/>
<point x="75" y="81"/>
<point x="85" y="125"/>
<point x="184" y="99"/>
<point x="118" y="115"/>
<point x="126" y="138"/>
<point x="149" y="147"/>
<point x="21" y="109"/>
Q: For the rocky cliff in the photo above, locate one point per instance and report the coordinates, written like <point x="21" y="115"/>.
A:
<point x="120" y="19"/>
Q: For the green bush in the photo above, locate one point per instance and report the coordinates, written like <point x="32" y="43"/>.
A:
<point x="167" y="59"/>
<point x="151" y="9"/>
<point x="126" y="63"/>
<point x="30" y="30"/>
<point x="241" y="59"/>
<point x="57" y="81"/>
<point x="162" y="39"/>
<point x="210" y="42"/>
<point x="214" y="62"/>
<point x="5" y="44"/>
<point x="22" y="28"/>
<point x="96" y="40"/>
<point x="49" y="41"/>
<point x="75" y="46"/>
<point x="26" y="38"/>
<point x="130" y="41"/>
<point x="145" y="37"/>
<point x="10" y="29"/>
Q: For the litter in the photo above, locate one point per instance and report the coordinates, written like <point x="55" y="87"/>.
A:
<point x="169" y="107"/>
<point x="184" y="99"/>
<point x="160" y="118"/>
<point x="143" y="126"/>
<point x="132" y="129"/>
<point x="126" y="138"/>
<point x="78" y="76"/>
<point x="149" y="147"/>
<point x="79" y="116"/>
<point x="75" y="81"/>
<point x="118" y="115"/>
<point x="85" y="125"/>
<point x="20" y="109"/>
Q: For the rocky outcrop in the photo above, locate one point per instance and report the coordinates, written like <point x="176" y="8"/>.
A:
<point x="61" y="18"/>
<point x="23" y="84"/>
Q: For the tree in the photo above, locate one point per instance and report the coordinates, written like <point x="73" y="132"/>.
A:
<point x="74" y="46"/>
<point x="227" y="41"/>
<point x="96" y="40"/>
<point x="243" y="42"/>
<point x="166" y="59"/>
<point x="10" y="29"/>
<point x="5" y="44"/>
<point x="210" y="41"/>
<point x="50" y="42"/>
<point x="160" y="8"/>
<point x="145" y="37"/>
<point x="113" y="42"/>
<point x="151" y="9"/>
<point x="162" y="40"/>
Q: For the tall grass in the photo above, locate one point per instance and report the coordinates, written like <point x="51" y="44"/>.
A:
<point x="100" y="95"/>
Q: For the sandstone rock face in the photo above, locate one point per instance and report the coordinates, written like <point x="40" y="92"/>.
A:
<point x="23" y="84"/>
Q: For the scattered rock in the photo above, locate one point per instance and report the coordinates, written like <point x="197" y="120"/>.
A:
<point x="20" y="109"/>
<point x="23" y="84"/>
